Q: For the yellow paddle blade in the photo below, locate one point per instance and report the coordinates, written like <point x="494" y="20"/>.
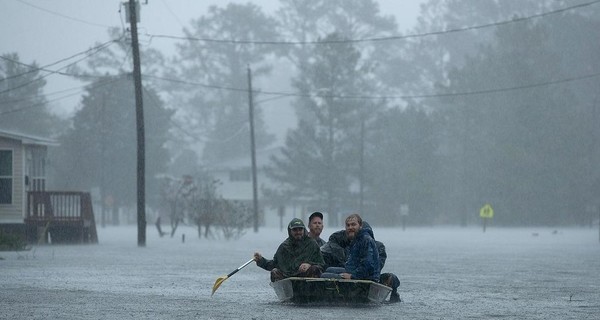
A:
<point x="223" y="278"/>
<point x="218" y="283"/>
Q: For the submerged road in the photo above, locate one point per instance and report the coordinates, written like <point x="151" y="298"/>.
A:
<point x="445" y="273"/>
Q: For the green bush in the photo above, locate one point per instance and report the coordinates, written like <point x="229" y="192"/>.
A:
<point x="9" y="242"/>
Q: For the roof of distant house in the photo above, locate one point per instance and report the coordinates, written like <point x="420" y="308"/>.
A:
<point x="28" y="138"/>
<point x="263" y="157"/>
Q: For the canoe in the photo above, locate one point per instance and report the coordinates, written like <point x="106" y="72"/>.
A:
<point x="308" y="290"/>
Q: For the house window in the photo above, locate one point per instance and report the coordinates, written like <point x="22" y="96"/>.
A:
<point x="6" y="176"/>
<point x="239" y="175"/>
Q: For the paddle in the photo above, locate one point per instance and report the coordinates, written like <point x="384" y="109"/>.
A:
<point x="220" y="280"/>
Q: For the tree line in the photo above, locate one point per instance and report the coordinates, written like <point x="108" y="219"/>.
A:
<point x="481" y="102"/>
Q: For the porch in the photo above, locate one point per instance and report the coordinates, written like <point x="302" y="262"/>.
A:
<point x="60" y="217"/>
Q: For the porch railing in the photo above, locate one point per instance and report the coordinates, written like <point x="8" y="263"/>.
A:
<point x="62" y="210"/>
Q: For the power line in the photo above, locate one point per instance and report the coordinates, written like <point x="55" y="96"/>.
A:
<point x="51" y="72"/>
<point x="172" y="13"/>
<point x="379" y="39"/>
<point x="34" y="69"/>
<point x="174" y="123"/>
<point x="78" y="90"/>
<point x="278" y="95"/>
<point x="497" y="90"/>
<point x="196" y="138"/>
<point x="44" y="68"/>
<point x="210" y="86"/>
<point x="97" y="85"/>
<point x="62" y="15"/>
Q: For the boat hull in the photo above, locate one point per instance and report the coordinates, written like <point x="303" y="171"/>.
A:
<point x="308" y="290"/>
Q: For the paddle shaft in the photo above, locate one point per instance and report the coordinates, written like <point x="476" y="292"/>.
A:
<point x="222" y="279"/>
<point x="240" y="268"/>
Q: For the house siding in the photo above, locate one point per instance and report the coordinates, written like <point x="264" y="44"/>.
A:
<point x="14" y="212"/>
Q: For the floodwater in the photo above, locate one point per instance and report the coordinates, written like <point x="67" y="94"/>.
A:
<point x="445" y="273"/>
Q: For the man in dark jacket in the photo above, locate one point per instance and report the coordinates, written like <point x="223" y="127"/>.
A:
<point x="335" y="252"/>
<point x="362" y="260"/>
<point x="297" y="256"/>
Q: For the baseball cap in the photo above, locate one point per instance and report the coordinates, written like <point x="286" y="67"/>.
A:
<point x="315" y="214"/>
<point x="296" y="223"/>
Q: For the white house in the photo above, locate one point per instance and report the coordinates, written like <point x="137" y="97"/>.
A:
<point x="235" y="178"/>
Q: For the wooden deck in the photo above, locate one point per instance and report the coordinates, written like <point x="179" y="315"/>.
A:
<point x="60" y="217"/>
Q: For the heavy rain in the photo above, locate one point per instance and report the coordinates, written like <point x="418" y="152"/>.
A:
<point x="150" y="148"/>
<point x="445" y="273"/>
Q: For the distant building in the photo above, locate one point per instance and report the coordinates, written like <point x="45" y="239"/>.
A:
<point x="235" y="178"/>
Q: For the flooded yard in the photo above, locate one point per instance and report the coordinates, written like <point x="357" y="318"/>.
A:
<point x="445" y="273"/>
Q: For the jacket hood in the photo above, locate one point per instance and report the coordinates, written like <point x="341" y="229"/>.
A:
<point x="296" y="223"/>
<point x="339" y="238"/>
<point x="367" y="227"/>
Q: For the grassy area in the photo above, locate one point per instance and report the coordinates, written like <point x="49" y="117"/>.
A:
<point x="11" y="242"/>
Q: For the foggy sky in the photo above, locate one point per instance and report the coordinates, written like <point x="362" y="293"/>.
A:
<point x="46" y="31"/>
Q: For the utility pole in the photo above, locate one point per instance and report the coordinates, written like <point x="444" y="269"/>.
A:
<point x="361" y="175"/>
<point x="139" y="116"/>
<point x="102" y="165"/>
<point x="253" y="152"/>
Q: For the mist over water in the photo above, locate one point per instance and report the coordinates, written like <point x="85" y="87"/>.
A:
<point x="450" y="273"/>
